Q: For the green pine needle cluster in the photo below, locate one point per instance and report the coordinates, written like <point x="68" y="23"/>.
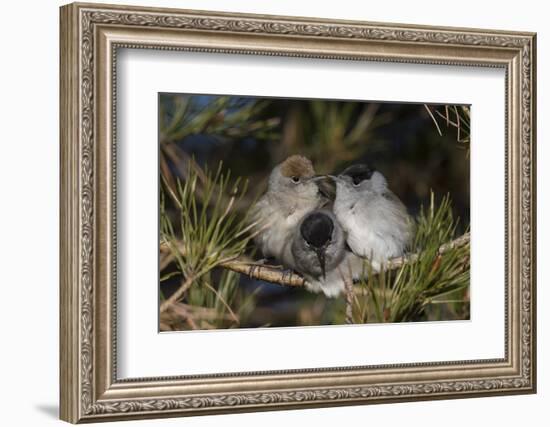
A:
<point x="225" y="117"/>
<point x="407" y="293"/>
<point x="210" y="233"/>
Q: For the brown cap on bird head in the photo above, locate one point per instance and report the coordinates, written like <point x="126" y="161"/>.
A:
<point x="299" y="166"/>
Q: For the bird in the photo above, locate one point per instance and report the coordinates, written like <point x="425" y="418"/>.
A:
<point x="292" y="192"/>
<point x="319" y="253"/>
<point x="375" y="220"/>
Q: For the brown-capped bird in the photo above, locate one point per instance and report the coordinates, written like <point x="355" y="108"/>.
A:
<point x="292" y="192"/>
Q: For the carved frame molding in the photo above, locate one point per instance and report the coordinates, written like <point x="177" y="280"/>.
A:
<point x="90" y="37"/>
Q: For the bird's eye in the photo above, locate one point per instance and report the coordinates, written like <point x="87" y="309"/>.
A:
<point x="295" y="179"/>
<point x="356" y="180"/>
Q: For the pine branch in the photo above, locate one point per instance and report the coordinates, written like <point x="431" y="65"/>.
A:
<point x="272" y="274"/>
<point x="277" y="275"/>
<point x="396" y="263"/>
<point x="254" y="270"/>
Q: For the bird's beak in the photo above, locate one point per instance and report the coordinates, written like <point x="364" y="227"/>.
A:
<point x="321" y="257"/>
<point x="325" y="185"/>
<point x="335" y="178"/>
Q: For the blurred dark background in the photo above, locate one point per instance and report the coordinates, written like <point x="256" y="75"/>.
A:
<point x="415" y="146"/>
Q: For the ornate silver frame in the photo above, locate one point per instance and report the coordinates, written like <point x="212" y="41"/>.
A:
<point x="90" y="36"/>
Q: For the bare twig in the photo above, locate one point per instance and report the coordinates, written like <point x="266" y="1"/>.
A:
<point x="181" y="312"/>
<point x="223" y="301"/>
<point x="178" y="294"/>
<point x="433" y="119"/>
<point x="461" y="122"/>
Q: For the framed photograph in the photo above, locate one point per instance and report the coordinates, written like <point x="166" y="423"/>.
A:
<point x="265" y="212"/>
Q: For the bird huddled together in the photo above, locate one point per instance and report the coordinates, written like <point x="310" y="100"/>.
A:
<point x="328" y="239"/>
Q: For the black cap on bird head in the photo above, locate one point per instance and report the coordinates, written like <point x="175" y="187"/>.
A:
<point x="316" y="230"/>
<point x="358" y="173"/>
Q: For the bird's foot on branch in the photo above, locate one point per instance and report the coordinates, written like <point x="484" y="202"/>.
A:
<point x="269" y="262"/>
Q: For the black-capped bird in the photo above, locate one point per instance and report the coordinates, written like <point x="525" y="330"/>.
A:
<point x="377" y="224"/>
<point x="319" y="253"/>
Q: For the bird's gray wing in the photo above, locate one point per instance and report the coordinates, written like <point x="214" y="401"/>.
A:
<point x="406" y="224"/>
